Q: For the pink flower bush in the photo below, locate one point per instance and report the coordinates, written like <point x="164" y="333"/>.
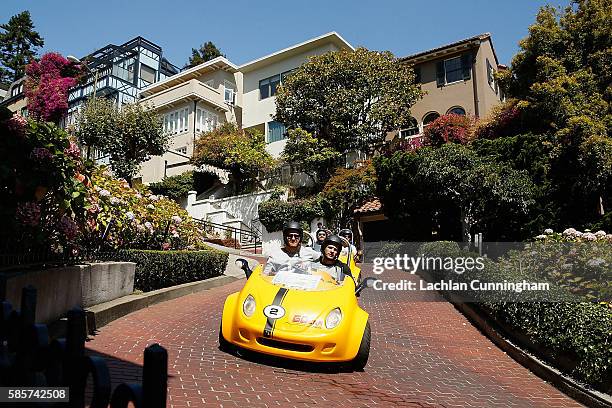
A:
<point x="450" y="128"/>
<point x="69" y="228"/>
<point x="47" y="85"/>
<point x="28" y="214"/>
<point x="73" y="151"/>
<point x="41" y="154"/>
<point x="17" y="124"/>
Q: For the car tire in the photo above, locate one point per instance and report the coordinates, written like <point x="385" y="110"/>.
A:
<point x="360" y="361"/>
<point x="224" y="345"/>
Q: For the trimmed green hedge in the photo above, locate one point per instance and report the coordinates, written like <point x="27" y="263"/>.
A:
<point x="273" y="213"/>
<point x="162" y="269"/>
<point x="576" y="337"/>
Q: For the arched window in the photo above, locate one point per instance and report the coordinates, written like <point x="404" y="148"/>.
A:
<point x="409" y="129"/>
<point x="430" y="117"/>
<point x="457" y="110"/>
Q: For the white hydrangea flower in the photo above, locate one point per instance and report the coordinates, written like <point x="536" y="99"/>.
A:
<point x="104" y="193"/>
<point x="541" y="236"/>
<point x="548" y="231"/>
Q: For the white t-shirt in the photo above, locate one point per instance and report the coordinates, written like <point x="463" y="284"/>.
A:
<point x="281" y="260"/>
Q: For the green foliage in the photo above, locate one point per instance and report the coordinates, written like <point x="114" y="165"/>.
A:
<point x="136" y="218"/>
<point x="42" y="188"/>
<point x="18" y="44"/>
<point x="561" y="82"/>
<point x="309" y="154"/>
<point x="273" y="213"/>
<point x="348" y="188"/>
<point x="578" y="331"/>
<point x="206" y="52"/>
<point x="162" y="269"/>
<point x="130" y="135"/>
<point x="351" y="99"/>
<point x="417" y="184"/>
<point x="241" y="152"/>
<point x="174" y="187"/>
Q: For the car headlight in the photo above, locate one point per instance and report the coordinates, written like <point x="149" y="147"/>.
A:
<point x="248" y="307"/>
<point x="333" y="318"/>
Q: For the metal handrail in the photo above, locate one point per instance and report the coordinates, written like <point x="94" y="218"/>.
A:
<point x="236" y="232"/>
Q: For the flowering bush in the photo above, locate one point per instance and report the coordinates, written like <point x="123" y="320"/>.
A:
<point x="47" y="85"/>
<point x="504" y="120"/>
<point x="136" y="218"/>
<point x="449" y="128"/>
<point x="42" y="185"/>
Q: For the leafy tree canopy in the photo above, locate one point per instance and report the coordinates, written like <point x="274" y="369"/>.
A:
<point x="206" y="52"/>
<point x="130" y="135"/>
<point x="18" y="44"/>
<point x="350" y="99"/>
<point x="242" y="152"/>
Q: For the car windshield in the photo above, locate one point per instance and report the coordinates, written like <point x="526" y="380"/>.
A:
<point x="304" y="275"/>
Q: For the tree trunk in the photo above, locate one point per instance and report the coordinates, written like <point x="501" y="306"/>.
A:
<point x="466" y="226"/>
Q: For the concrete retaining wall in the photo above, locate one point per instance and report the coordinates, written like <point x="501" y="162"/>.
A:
<point x="63" y="288"/>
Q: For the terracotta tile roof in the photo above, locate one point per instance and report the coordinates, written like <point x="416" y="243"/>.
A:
<point x="369" y="206"/>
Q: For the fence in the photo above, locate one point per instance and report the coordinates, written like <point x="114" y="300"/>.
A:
<point x="29" y="359"/>
<point x="242" y="238"/>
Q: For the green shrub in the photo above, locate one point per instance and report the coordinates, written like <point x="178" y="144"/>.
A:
<point x="273" y="213"/>
<point x="580" y="331"/>
<point x="174" y="187"/>
<point x="162" y="269"/>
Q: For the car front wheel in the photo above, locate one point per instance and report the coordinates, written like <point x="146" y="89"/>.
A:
<point x="360" y="361"/>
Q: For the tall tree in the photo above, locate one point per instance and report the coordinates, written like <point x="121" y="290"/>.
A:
<point x="206" y="52"/>
<point x="351" y="99"/>
<point x="561" y="79"/>
<point x="130" y="135"/>
<point x="18" y="44"/>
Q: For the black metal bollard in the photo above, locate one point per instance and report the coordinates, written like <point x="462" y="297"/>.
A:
<point x="155" y="376"/>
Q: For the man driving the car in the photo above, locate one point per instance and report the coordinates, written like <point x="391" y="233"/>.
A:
<point x="292" y="256"/>
<point x="328" y="261"/>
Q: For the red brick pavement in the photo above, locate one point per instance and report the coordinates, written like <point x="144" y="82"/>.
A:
<point x="424" y="354"/>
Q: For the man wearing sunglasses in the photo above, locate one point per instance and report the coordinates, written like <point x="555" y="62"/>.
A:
<point x="292" y="255"/>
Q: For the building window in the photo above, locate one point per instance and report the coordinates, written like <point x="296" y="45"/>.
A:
<point x="24" y="112"/>
<point x="182" y="149"/>
<point x="230" y="92"/>
<point x="409" y="129"/>
<point x="206" y="120"/>
<point x="286" y="75"/>
<point x="17" y="89"/>
<point x="147" y="73"/>
<point x="491" y="77"/>
<point x="457" y="110"/>
<point x="276" y="131"/>
<point x="176" y="122"/>
<point x="267" y="87"/>
<point x="453" y="70"/>
<point x="430" y="117"/>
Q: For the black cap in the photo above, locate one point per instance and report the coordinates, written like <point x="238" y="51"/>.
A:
<point x="292" y="226"/>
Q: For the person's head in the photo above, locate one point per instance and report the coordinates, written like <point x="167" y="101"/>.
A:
<point x="346" y="233"/>
<point x="319" y="225"/>
<point x="292" y="234"/>
<point x="331" y="247"/>
<point x="321" y="235"/>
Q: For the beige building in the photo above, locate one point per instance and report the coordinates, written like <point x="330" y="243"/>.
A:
<point x="15" y="99"/>
<point x="457" y="78"/>
<point x="191" y="102"/>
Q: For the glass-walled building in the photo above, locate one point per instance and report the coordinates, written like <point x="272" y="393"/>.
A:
<point x="119" y="72"/>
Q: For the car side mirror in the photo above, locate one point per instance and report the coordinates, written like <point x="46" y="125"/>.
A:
<point x="244" y="265"/>
<point x="366" y="283"/>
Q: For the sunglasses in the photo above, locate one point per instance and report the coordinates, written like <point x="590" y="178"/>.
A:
<point x="293" y="236"/>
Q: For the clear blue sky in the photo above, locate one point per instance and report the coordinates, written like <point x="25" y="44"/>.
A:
<point x="245" y="30"/>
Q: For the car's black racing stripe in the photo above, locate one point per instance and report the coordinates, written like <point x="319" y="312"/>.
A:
<point x="278" y="299"/>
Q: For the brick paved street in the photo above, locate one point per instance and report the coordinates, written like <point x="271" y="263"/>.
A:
<point x="424" y="354"/>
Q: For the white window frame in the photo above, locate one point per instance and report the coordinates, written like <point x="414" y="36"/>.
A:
<point x="206" y="120"/>
<point x="229" y="97"/>
<point x="177" y="121"/>
<point x="182" y="149"/>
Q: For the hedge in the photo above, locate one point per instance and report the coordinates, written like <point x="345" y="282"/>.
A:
<point x="575" y="337"/>
<point x="162" y="269"/>
<point x="274" y="213"/>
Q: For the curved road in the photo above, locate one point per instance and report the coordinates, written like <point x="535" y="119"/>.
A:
<point x="424" y="354"/>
